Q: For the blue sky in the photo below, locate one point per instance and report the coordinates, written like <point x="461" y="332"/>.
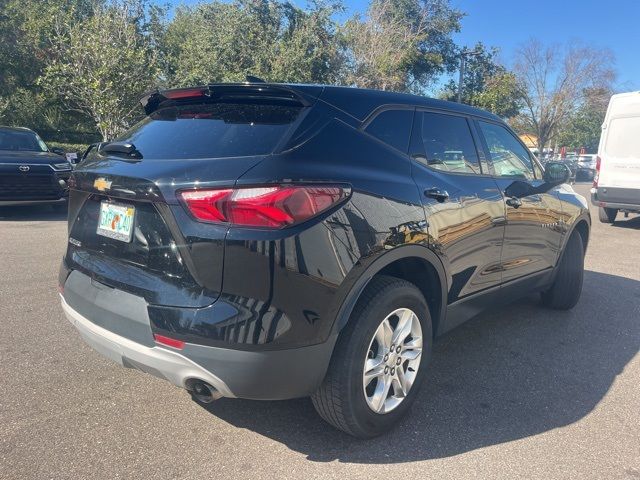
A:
<point x="614" y="24"/>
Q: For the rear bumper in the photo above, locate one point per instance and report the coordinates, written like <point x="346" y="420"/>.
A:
<point x="161" y="362"/>
<point x="597" y="202"/>
<point x="258" y="375"/>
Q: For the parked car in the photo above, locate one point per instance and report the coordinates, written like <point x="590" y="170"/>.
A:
<point x="571" y="162"/>
<point x="270" y="241"/>
<point x="616" y="186"/>
<point x="586" y="167"/>
<point x="29" y="171"/>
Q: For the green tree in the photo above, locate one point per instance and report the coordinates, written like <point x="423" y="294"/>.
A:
<point x="101" y="66"/>
<point x="220" y="42"/>
<point x="402" y="45"/>
<point x="487" y="84"/>
<point x="584" y="125"/>
<point x="25" y="29"/>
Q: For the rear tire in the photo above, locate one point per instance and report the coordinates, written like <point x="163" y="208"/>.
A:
<point x="345" y="396"/>
<point x="607" y="215"/>
<point x="567" y="287"/>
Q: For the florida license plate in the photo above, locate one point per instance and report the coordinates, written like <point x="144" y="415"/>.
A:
<point x="116" y="221"/>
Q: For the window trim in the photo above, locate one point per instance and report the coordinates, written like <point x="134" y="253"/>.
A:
<point x="383" y="108"/>
<point x="485" y="147"/>
<point x="416" y="137"/>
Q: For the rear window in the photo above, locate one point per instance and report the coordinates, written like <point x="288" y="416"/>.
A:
<point x="212" y="130"/>
<point x="393" y="127"/>
<point x="623" y="140"/>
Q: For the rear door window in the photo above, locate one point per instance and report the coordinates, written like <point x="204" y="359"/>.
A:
<point x="392" y="127"/>
<point x="212" y="130"/>
<point x="448" y="143"/>
<point x="623" y="139"/>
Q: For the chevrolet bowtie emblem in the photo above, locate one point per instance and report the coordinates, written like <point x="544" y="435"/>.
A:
<point x="102" y="184"/>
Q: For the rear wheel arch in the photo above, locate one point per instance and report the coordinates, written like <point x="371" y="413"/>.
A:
<point x="413" y="263"/>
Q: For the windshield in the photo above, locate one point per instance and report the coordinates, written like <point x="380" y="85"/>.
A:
<point x="18" y="140"/>
<point x="212" y="130"/>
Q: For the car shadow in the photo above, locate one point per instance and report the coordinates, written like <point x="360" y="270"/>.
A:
<point x="35" y="212"/>
<point x="631" y="222"/>
<point x="505" y="375"/>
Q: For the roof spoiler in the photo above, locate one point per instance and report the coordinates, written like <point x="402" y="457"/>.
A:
<point x="152" y="101"/>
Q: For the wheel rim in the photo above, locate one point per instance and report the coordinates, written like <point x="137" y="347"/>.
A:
<point x="392" y="360"/>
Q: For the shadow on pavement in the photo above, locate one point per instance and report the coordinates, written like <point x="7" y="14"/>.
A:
<point x="505" y="375"/>
<point x="631" y="222"/>
<point x="32" y="213"/>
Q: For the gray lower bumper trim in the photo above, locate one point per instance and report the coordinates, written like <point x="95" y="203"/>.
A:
<point x="620" y="206"/>
<point x="155" y="360"/>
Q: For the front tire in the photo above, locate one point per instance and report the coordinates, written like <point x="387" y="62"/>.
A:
<point x="379" y="361"/>
<point x="567" y="287"/>
<point x="607" y="215"/>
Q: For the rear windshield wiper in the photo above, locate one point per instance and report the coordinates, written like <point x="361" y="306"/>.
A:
<point x="121" y="149"/>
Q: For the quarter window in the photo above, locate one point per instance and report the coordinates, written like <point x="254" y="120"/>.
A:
<point x="392" y="127"/>
<point x="509" y="157"/>
<point x="448" y="143"/>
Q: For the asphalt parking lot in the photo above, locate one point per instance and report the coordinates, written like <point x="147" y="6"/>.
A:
<point x="520" y="392"/>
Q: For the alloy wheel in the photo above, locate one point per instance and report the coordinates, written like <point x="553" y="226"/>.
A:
<point x="392" y="360"/>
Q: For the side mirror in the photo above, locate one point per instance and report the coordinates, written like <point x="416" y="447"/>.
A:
<point x="556" y="173"/>
<point x="57" y="151"/>
<point x="518" y="189"/>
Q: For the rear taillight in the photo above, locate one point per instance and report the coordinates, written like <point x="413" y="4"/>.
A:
<point x="273" y="206"/>
<point x="596" y="176"/>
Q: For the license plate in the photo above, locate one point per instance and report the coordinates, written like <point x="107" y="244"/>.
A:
<point x="116" y="221"/>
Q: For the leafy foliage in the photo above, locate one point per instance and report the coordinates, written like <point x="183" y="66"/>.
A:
<point x="224" y="42"/>
<point x="101" y="67"/>
<point x="584" y="125"/>
<point x="487" y="84"/>
<point x="401" y="45"/>
<point x="25" y="29"/>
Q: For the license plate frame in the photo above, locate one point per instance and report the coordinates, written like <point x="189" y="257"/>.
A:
<point x="120" y="228"/>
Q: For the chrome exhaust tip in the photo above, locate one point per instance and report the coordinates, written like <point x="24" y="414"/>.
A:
<point x="203" y="392"/>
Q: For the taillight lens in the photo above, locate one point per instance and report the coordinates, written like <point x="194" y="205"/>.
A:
<point x="178" y="94"/>
<point x="273" y="206"/>
<point x="596" y="176"/>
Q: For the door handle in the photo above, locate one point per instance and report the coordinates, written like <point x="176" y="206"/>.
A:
<point x="513" y="202"/>
<point x="437" y="194"/>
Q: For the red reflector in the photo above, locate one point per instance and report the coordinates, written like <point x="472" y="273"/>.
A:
<point x="275" y="206"/>
<point x="170" y="342"/>
<point x="184" y="93"/>
<point x="61" y="289"/>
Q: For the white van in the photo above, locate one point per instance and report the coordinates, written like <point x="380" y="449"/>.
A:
<point x="616" y="185"/>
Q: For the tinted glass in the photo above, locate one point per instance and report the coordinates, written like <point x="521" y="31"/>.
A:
<point x="212" y="130"/>
<point x="509" y="157"/>
<point x="448" y="143"/>
<point x="393" y="127"/>
<point x="21" y="141"/>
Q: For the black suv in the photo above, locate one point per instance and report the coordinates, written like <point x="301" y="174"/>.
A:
<point x="270" y="241"/>
<point x="29" y="171"/>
